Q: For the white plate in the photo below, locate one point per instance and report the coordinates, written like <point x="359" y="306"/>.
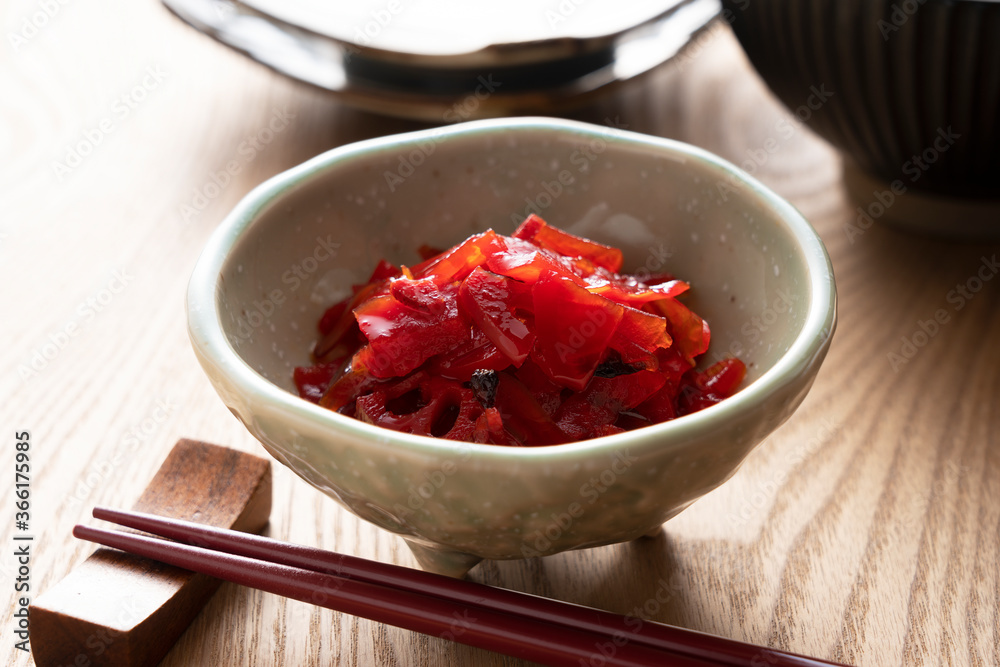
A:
<point x="446" y="61"/>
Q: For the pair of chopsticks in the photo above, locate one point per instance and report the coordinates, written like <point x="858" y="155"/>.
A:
<point x="517" y="624"/>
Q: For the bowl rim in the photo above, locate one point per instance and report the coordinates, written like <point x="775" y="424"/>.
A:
<point x="211" y="344"/>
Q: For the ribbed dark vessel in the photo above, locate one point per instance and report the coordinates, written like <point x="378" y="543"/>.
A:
<point x="910" y="89"/>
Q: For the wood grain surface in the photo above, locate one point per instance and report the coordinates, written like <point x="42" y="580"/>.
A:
<point x="866" y="530"/>
<point x="122" y="609"/>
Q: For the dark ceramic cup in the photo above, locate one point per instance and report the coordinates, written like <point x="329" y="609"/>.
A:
<point x="908" y="90"/>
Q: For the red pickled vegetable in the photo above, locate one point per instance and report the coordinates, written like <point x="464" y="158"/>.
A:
<point x="628" y="290"/>
<point x="536" y="230"/>
<point x="401" y="336"/>
<point x="639" y="335"/>
<point x="422" y="295"/>
<point x="523" y="416"/>
<point x="383" y="270"/>
<point x="702" y="389"/>
<point x="491" y="302"/>
<point x="332" y="316"/>
<point x="343" y="335"/>
<point x="422" y="405"/>
<point x="529" y="339"/>
<point x="527" y="263"/>
<point x="583" y="414"/>
<point x="312" y="381"/>
<point x="457" y="263"/>
<point x="689" y="332"/>
<point x="427" y="252"/>
<point x="477" y="354"/>
<point x="573" y="328"/>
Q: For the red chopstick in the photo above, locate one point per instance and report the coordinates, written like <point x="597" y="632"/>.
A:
<point x="476" y="626"/>
<point x="517" y="624"/>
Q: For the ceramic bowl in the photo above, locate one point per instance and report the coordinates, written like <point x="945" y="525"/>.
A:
<point x="455" y="61"/>
<point x="908" y="90"/>
<point x="760" y="276"/>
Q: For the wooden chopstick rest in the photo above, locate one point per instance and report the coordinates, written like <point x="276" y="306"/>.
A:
<point x="119" y="609"/>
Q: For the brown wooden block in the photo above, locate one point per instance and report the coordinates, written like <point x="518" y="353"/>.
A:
<point x="120" y="609"/>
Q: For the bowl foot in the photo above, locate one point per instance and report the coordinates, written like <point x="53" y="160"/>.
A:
<point x="653" y="532"/>
<point x="442" y="561"/>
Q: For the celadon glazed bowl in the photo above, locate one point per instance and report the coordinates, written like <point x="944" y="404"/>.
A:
<point x="760" y="276"/>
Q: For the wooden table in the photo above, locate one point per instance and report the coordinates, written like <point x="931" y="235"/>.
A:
<point x="866" y="530"/>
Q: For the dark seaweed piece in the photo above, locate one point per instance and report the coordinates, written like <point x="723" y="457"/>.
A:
<point x="484" y="385"/>
<point x="612" y="368"/>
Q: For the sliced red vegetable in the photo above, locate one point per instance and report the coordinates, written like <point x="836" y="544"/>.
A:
<point x="572" y="330"/>
<point x="489" y="299"/>
<point x="702" y="389"/>
<point x="421" y="295"/>
<point x="384" y="270"/>
<point x="530" y="339"/>
<point x="608" y="429"/>
<point x="332" y="315"/>
<point x="457" y="263"/>
<point x="401" y="338"/>
<point x="597" y="406"/>
<point x="536" y="230"/>
<point x="355" y="381"/>
<point x="689" y="332"/>
<point x="662" y="405"/>
<point x="672" y="363"/>
<point x="478" y="353"/>
<point x="489" y="428"/>
<point x="526" y="262"/>
<point x="639" y="335"/>
<point x="428" y="252"/>
<point x="546" y="393"/>
<point x="313" y="381"/>
<point x="526" y="419"/>
<point x="345" y="334"/>
<point x="629" y="291"/>
<point x="424" y="406"/>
